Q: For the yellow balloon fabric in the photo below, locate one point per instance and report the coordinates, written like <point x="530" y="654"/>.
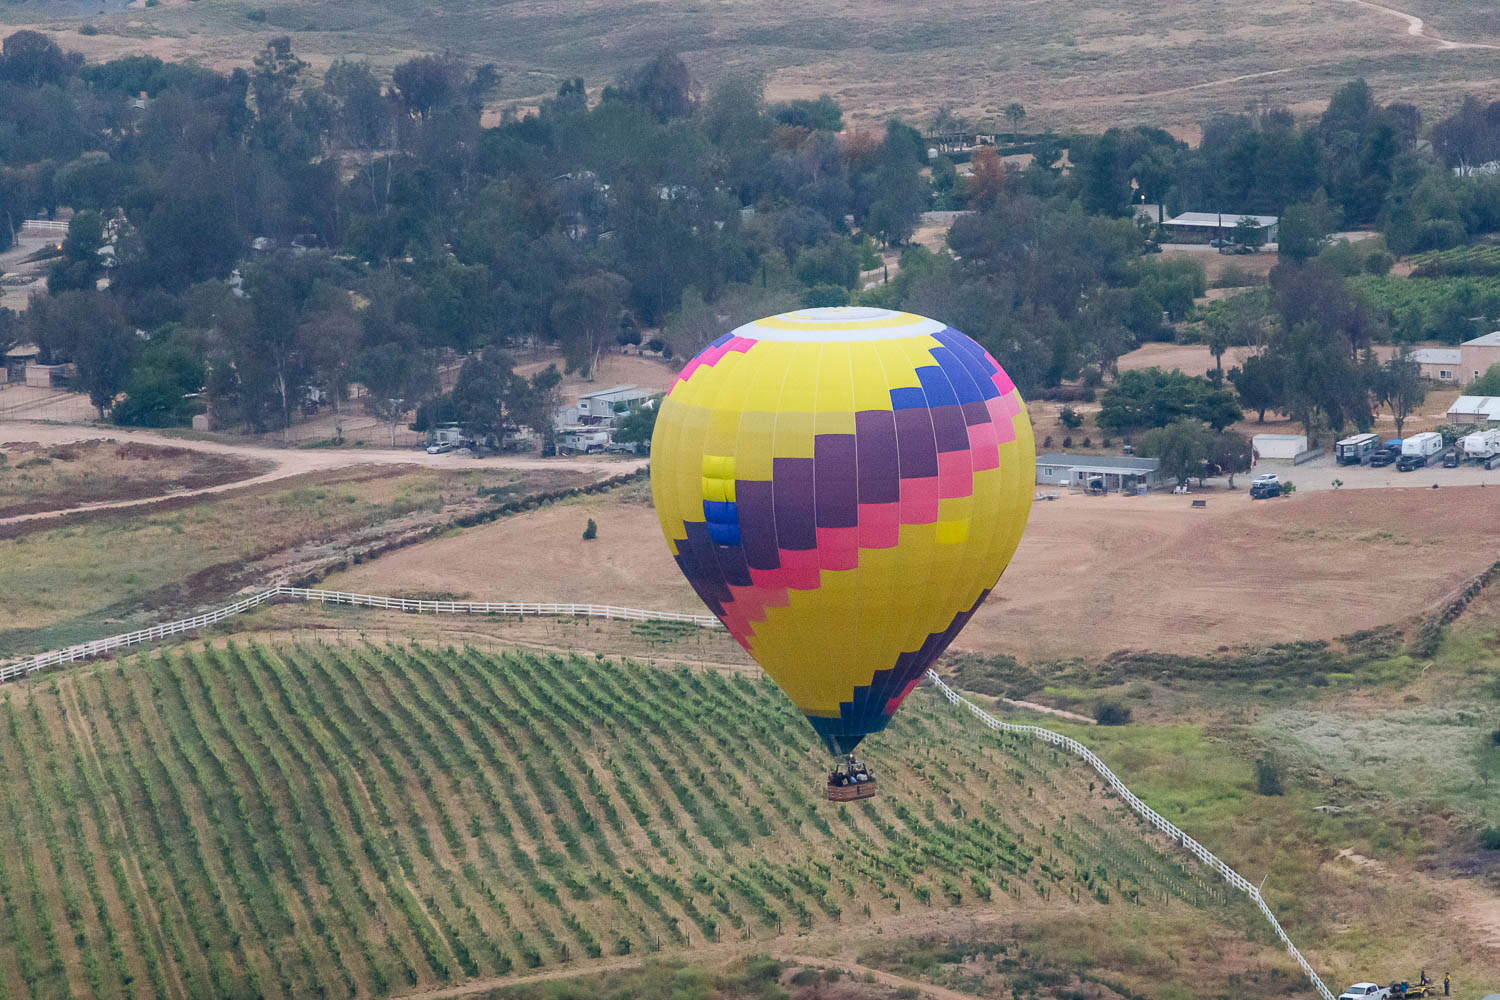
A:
<point x="842" y="488"/>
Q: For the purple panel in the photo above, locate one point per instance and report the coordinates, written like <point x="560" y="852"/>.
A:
<point x="796" y="522"/>
<point x="949" y="428"/>
<point x="834" y="478"/>
<point x="879" y="469"/>
<point x="699" y="562"/>
<point x="757" y="523"/>
<point x="916" y="446"/>
<point x="733" y="566"/>
<point x="976" y="413"/>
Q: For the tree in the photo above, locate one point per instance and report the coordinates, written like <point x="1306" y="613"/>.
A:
<point x="1399" y="386"/>
<point x="1246" y="232"/>
<point x="985" y="184"/>
<point x="1153" y="397"/>
<point x="398" y="376"/>
<point x="88" y="328"/>
<point x="586" y="317"/>
<point x="1261" y="382"/>
<point x="31" y="59"/>
<point x="640" y="423"/>
<point x="162" y="386"/>
<point x="900" y="192"/>
<point x="331" y="337"/>
<point x="1299" y="232"/>
<point x="1231" y="452"/>
<point x="1325" y="385"/>
<point x="486" y="395"/>
<point x="78" y="267"/>
<point x="1182" y="446"/>
<point x="1015" y="114"/>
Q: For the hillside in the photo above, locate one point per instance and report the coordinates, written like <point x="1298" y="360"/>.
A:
<point x="310" y="820"/>
<point x="1078" y="65"/>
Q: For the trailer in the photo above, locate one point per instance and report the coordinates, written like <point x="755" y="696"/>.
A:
<point x="1356" y="450"/>
<point x="1422" y="446"/>
<point x="1481" y="445"/>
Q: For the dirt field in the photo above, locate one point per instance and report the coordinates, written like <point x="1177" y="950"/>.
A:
<point x="67" y="476"/>
<point x="1192" y="359"/>
<point x="1086" y="64"/>
<point x="1092" y="575"/>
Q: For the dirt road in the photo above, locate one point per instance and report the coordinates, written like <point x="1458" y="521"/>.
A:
<point x="1415" y="26"/>
<point x="290" y="462"/>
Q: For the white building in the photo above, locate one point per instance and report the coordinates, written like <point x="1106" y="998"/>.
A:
<point x="1278" y="447"/>
<point x="609" y="404"/>
<point x="1200" y="227"/>
<point x="1474" y="410"/>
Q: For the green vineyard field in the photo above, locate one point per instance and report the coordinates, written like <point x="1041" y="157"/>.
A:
<point x="308" y="820"/>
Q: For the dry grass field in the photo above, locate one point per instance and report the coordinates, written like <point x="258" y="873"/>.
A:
<point x="37" y="478"/>
<point x="1085" y="64"/>
<point x="1093" y="574"/>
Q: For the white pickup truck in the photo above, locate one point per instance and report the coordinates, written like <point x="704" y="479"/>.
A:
<point x="1366" y="991"/>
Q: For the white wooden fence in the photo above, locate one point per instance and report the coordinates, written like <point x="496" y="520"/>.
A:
<point x="99" y="647"/>
<point x="1146" y="812"/>
<point x="88" y="650"/>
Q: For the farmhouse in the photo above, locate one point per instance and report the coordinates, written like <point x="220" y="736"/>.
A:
<point x="1474" y="410"/>
<point x="1201" y="227"/>
<point x="1478" y="355"/>
<point x="1112" y="472"/>
<point x="606" y="405"/>
<point x="1441" y="364"/>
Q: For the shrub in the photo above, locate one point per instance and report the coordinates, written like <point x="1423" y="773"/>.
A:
<point x="1288" y="488"/>
<point x="1069" y="418"/>
<point x="656" y="344"/>
<point x="1111" y="713"/>
<point x="1379" y="263"/>
<point x="258" y="15"/>
<point x="591" y="531"/>
<point x="1068" y="441"/>
<point x="1489" y="838"/>
<point x="1268" y="776"/>
<point x="88" y="29"/>
<point x="1495" y="737"/>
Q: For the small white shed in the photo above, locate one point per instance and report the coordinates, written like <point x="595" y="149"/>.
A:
<point x="1278" y="447"/>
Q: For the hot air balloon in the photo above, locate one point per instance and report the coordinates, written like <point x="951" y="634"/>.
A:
<point x="843" y="487"/>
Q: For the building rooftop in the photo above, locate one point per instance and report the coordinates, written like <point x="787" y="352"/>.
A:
<point x="1436" y="355"/>
<point x="1475" y="404"/>
<point x="1280" y="437"/>
<point x="23" y="351"/>
<point x="610" y="392"/>
<point x="1120" y="463"/>
<point x="1488" y="340"/>
<point x="1216" y="220"/>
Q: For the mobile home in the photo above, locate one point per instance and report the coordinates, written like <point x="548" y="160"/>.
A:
<point x="1356" y="450"/>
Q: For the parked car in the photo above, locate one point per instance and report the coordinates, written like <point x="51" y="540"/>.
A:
<point x="442" y="448"/>
<point x="1270" y="478"/>
<point x="1264" y="491"/>
<point x="1450" y="458"/>
<point x="1410" y="463"/>
<point x="1217" y="242"/>
<point x="1365" y="991"/>
<point x="1383" y="457"/>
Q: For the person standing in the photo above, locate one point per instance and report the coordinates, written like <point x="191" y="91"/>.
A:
<point x="1447" y="983"/>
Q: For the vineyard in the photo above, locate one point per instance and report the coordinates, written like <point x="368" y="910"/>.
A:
<point x="1437" y="308"/>
<point x="308" y="820"/>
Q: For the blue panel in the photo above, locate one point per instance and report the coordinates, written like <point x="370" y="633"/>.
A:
<point x="719" y="512"/>
<point x="724" y="534"/>
<point x="959" y="375"/>
<point x="908" y="398"/>
<point x="937" y="387"/>
<point x="722" y="340"/>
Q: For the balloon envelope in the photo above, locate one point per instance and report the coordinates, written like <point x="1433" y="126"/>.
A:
<point x="842" y="488"/>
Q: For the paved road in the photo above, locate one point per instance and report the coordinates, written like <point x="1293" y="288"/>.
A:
<point x="291" y="462"/>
